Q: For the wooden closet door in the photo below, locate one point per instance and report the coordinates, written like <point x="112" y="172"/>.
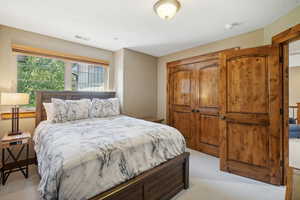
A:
<point x="181" y="91"/>
<point x="250" y="114"/>
<point x="208" y="106"/>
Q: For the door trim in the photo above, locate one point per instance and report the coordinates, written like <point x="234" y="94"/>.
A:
<point x="282" y="40"/>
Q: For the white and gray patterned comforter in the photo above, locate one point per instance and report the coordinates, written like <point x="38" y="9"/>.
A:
<point x="80" y="159"/>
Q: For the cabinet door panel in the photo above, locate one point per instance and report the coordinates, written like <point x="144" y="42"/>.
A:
<point x="181" y="94"/>
<point x="209" y="130"/>
<point x="208" y="107"/>
<point x="241" y="79"/>
<point x="208" y="86"/>
<point x="182" y="122"/>
<point x="182" y="88"/>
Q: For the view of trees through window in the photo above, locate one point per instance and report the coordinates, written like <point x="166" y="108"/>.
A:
<point x="38" y="73"/>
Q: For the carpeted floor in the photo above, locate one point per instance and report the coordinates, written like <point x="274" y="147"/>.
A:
<point x="207" y="182"/>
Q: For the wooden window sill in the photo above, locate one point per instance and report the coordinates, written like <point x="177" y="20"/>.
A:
<point x="23" y="114"/>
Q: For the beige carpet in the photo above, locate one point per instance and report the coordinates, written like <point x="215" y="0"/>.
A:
<point x="207" y="182"/>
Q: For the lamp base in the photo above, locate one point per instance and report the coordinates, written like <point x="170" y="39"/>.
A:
<point x="15" y="133"/>
<point x="15" y="122"/>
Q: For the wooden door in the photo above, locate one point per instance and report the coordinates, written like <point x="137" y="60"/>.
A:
<point x="250" y="113"/>
<point x="207" y="107"/>
<point x="181" y="91"/>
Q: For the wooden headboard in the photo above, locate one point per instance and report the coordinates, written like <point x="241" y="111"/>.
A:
<point x="46" y="96"/>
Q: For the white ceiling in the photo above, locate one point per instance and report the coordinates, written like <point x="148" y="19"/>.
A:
<point x="135" y="24"/>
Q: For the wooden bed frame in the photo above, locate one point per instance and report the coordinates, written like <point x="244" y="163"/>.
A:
<point x="159" y="183"/>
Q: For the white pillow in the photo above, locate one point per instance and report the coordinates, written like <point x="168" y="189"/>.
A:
<point x="49" y="111"/>
<point x="78" y="109"/>
<point x="69" y="110"/>
<point x="60" y="110"/>
<point x="105" y="108"/>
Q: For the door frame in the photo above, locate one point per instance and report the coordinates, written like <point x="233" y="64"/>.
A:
<point x="282" y="40"/>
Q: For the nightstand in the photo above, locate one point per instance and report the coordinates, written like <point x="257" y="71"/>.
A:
<point x="153" y="119"/>
<point x="8" y="142"/>
<point x="150" y="119"/>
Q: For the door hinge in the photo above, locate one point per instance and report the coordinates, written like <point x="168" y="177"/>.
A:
<point x="281" y="111"/>
<point x="281" y="163"/>
<point x="281" y="59"/>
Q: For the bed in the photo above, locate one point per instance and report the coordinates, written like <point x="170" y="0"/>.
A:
<point x="111" y="158"/>
<point x="294" y="129"/>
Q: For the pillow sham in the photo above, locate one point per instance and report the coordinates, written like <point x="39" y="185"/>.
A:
<point x="70" y="110"/>
<point x="78" y="109"/>
<point x="60" y="110"/>
<point x="105" y="107"/>
<point x="49" y="111"/>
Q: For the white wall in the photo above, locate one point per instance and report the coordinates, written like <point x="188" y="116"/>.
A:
<point x="294" y="60"/>
<point x="140" y="84"/>
<point x="119" y="75"/>
<point x="136" y="82"/>
<point x="294" y="85"/>
<point x="281" y="24"/>
<point x="294" y="51"/>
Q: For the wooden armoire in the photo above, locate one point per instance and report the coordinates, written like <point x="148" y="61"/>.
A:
<point x="193" y="101"/>
<point x="229" y="104"/>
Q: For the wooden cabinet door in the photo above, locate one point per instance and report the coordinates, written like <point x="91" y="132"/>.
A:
<point x="181" y="84"/>
<point x="207" y="106"/>
<point x="250" y="113"/>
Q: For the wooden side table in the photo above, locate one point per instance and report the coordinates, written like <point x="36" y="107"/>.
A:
<point x="16" y="165"/>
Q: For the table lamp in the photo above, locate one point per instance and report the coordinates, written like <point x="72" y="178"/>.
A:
<point x="15" y="100"/>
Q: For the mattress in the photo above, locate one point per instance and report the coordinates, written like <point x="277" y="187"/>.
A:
<point x="80" y="159"/>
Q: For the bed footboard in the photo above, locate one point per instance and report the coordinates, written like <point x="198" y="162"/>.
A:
<point x="160" y="183"/>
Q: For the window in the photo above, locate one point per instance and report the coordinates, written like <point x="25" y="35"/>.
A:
<point x="40" y="73"/>
<point x="88" y="77"/>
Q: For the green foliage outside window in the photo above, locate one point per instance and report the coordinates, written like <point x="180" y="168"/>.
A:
<point x="37" y="73"/>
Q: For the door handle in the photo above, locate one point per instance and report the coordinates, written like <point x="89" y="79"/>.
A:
<point x="195" y="111"/>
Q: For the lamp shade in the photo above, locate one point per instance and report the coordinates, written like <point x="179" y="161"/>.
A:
<point x="8" y="99"/>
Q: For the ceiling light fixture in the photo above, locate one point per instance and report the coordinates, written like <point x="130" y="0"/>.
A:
<point x="82" y="37"/>
<point x="167" y="9"/>
<point x="232" y="25"/>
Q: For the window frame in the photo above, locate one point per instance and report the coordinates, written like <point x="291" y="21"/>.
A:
<point x="18" y="49"/>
